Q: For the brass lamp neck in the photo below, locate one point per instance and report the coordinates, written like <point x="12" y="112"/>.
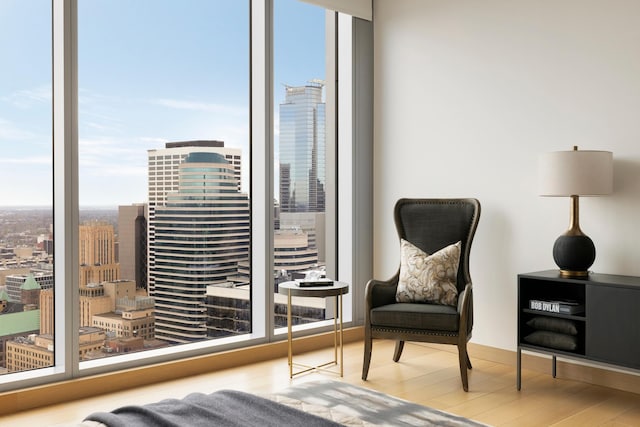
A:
<point x="574" y="218"/>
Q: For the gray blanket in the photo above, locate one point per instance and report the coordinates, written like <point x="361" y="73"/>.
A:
<point x="223" y="408"/>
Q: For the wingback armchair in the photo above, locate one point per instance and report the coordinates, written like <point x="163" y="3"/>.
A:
<point x="430" y="225"/>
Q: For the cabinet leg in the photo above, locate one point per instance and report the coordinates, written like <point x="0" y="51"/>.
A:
<point x="518" y="367"/>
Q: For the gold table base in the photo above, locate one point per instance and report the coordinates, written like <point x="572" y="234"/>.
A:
<point x="337" y="343"/>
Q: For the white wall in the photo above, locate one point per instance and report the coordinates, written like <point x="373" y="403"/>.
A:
<point x="468" y="93"/>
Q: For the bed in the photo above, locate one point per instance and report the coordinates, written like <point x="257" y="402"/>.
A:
<point x="319" y="403"/>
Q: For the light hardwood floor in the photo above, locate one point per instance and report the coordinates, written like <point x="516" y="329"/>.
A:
<point x="427" y="375"/>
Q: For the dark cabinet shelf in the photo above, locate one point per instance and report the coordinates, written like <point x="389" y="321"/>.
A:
<point x="578" y="317"/>
<point x="605" y="329"/>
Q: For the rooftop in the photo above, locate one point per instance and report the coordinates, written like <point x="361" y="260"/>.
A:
<point x="20" y="323"/>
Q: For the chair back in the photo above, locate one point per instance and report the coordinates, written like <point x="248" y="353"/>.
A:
<point x="432" y="224"/>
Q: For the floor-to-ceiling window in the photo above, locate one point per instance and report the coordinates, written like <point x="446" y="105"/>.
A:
<point x="26" y="187"/>
<point x="158" y="150"/>
<point x="300" y="88"/>
<point x="164" y="165"/>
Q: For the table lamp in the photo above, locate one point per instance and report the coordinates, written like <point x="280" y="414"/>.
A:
<point x="573" y="174"/>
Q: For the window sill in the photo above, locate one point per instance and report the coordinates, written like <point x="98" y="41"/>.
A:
<point x="65" y="391"/>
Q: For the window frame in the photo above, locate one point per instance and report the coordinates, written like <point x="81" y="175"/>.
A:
<point x="340" y="125"/>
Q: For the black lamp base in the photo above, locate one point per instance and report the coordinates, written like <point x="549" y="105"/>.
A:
<point x="574" y="254"/>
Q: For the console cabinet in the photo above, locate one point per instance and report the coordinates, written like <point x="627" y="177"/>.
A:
<point x="599" y="320"/>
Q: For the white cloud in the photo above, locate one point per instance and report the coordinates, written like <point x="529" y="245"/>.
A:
<point x="32" y="160"/>
<point x="127" y="171"/>
<point x="109" y="153"/>
<point x="154" y="140"/>
<point x="200" y="106"/>
<point x="97" y="126"/>
<point x="26" y="98"/>
<point x="8" y="131"/>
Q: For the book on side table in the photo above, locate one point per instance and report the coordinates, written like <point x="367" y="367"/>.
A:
<point x="309" y="283"/>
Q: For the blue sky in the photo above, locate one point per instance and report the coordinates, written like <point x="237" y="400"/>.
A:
<point x="149" y="71"/>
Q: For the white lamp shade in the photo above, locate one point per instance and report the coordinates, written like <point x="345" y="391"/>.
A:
<point x="575" y="173"/>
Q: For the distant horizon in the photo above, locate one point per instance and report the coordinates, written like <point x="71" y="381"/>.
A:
<point x="43" y="207"/>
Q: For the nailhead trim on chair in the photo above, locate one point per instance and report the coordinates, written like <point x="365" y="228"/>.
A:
<point x="415" y="331"/>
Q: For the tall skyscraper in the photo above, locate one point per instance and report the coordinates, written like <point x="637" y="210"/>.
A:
<point x="164" y="178"/>
<point x="303" y="164"/>
<point x="302" y="149"/>
<point x="198" y="233"/>
<point x="132" y="239"/>
<point x="97" y="253"/>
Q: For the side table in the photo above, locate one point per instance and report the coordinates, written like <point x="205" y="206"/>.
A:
<point x="293" y="289"/>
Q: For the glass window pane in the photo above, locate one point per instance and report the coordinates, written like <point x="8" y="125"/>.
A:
<point x="26" y="195"/>
<point x="164" y="173"/>
<point x="300" y="154"/>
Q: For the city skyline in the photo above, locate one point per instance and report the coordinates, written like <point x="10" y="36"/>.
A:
<point x="198" y="243"/>
<point x="115" y="84"/>
<point x="145" y="94"/>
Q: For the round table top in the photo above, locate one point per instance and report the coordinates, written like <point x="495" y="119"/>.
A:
<point x="293" y="288"/>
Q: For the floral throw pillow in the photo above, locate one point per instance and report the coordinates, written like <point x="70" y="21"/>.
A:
<point x="428" y="278"/>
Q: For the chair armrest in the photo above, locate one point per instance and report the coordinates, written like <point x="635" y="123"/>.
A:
<point x="380" y="292"/>
<point x="465" y="308"/>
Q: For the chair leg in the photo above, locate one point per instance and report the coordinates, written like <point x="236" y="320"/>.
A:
<point x="469" y="362"/>
<point x="367" y="355"/>
<point x="398" y="351"/>
<point x="464" y="361"/>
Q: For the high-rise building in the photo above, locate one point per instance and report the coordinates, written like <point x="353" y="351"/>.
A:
<point x="46" y="311"/>
<point x="16" y="322"/>
<point x="92" y="301"/>
<point x="228" y="310"/>
<point x="105" y="297"/>
<point x="30" y="293"/>
<point x="312" y="223"/>
<point x="37" y="351"/>
<point x="164" y="178"/>
<point x="198" y="234"/>
<point x="132" y="241"/>
<point x="130" y="312"/>
<point x="302" y="149"/>
<point x="30" y="352"/>
<point x="15" y="283"/>
<point x="291" y="253"/>
<point x="97" y="253"/>
<point x="301" y="181"/>
<point x="135" y="323"/>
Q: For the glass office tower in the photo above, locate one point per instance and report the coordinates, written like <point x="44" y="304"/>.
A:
<point x="163" y="166"/>
<point x="302" y="149"/>
<point x="201" y="238"/>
